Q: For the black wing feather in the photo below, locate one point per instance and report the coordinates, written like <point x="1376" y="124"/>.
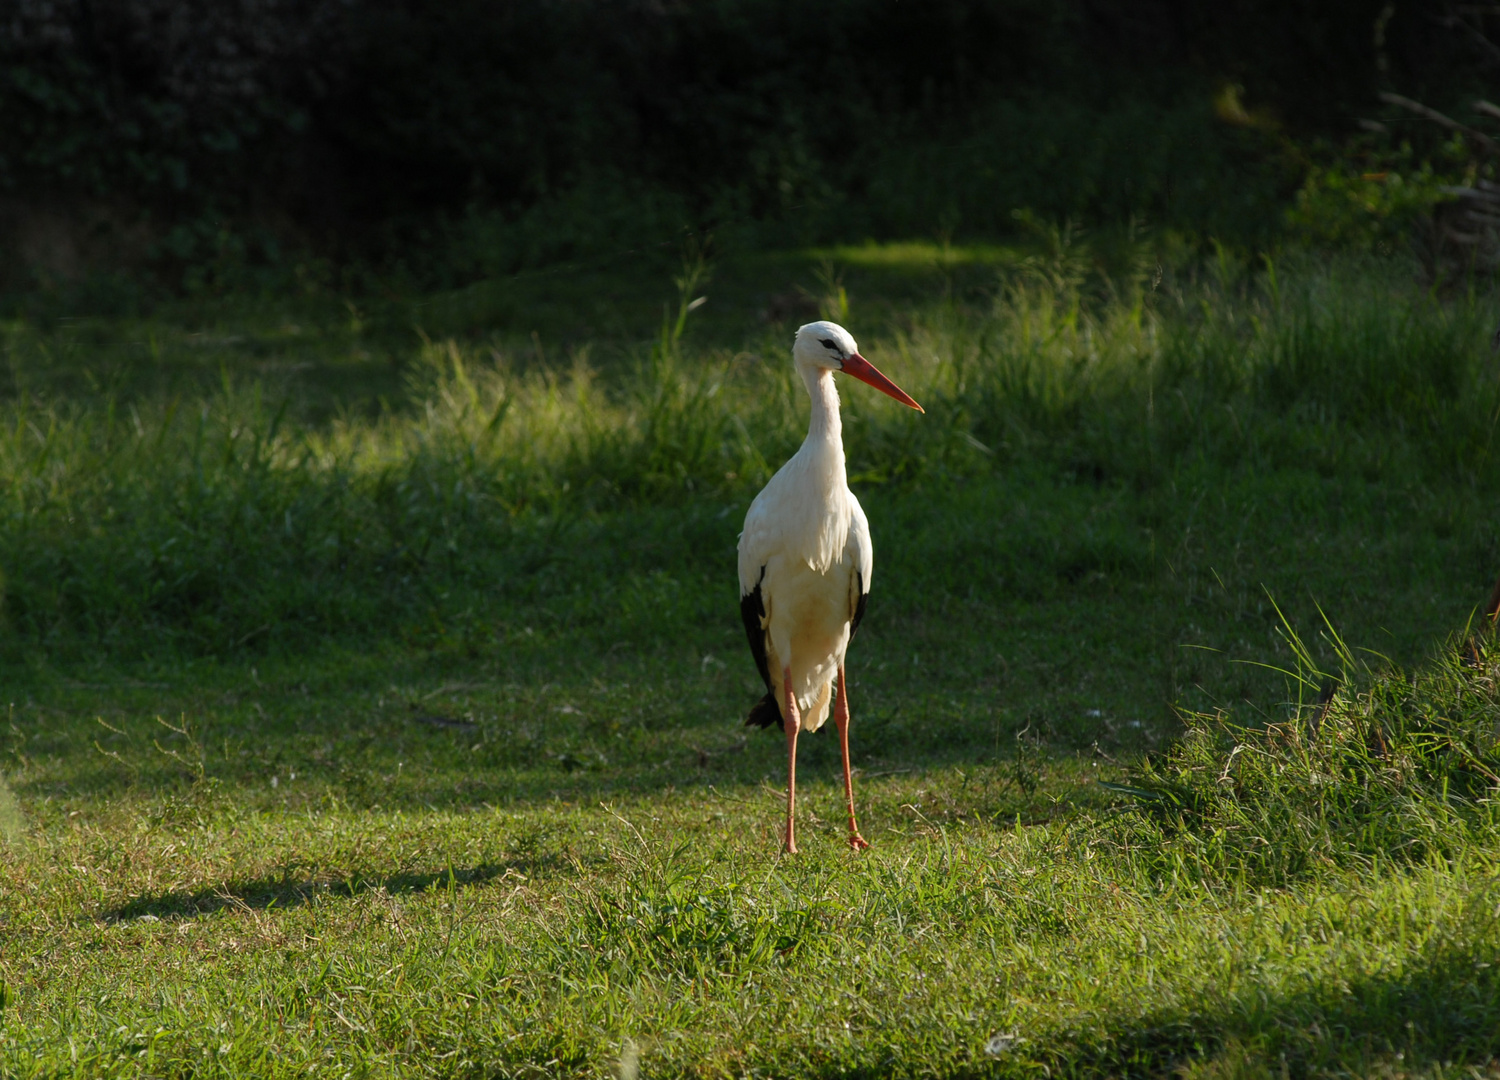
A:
<point x="752" y="611"/>
<point x="859" y="605"/>
<point x="766" y="712"/>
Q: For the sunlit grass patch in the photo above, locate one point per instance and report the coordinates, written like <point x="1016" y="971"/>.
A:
<point x="918" y="256"/>
<point x="544" y="937"/>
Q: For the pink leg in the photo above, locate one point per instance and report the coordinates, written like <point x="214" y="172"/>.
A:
<point x="841" y="720"/>
<point x="792" y="723"/>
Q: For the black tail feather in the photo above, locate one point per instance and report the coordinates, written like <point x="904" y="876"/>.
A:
<point x="765" y="713"/>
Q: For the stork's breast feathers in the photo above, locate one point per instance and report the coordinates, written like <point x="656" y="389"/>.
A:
<point x="814" y="532"/>
<point x="826" y="546"/>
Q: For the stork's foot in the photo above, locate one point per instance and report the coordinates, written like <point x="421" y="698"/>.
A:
<point x="790" y="846"/>
<point x="857" y="842"/>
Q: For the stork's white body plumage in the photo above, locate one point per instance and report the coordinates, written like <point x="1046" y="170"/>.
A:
<point x="807" y="546"/>
<point x="806" y="560"/>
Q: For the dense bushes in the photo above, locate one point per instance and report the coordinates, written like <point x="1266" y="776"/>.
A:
<point x="181" y="131"/>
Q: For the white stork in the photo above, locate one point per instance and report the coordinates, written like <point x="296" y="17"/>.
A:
<point x="805" y="565"/>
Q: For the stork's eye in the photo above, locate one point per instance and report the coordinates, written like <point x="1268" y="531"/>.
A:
<point x="828" y="344"/>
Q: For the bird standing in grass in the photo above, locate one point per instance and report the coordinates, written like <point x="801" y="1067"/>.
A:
<point x="805" y="565"/>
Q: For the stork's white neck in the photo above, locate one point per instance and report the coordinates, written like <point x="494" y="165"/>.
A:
<point x="824" y="426"/>
<point x="808" y="498"/>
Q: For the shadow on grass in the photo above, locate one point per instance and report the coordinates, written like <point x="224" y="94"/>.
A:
<point x="264" y="894"/>
<point x="1441" y="1010"/>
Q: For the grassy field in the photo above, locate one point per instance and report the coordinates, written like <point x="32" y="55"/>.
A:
<point x="374" y="684"/>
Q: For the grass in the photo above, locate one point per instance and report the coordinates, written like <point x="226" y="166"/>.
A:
<point x="374" y="695"/>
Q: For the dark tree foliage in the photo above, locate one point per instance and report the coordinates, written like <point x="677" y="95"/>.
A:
<point x="152" y="96"/>
<point x="323" y="118"/>
<point x="1314" y="65"/>
<point x="511" y="101"/>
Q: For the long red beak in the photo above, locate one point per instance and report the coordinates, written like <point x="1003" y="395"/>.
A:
<point x="866" y="372"/>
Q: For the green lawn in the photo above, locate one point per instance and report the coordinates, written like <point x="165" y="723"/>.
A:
<point x="375" y="696"/>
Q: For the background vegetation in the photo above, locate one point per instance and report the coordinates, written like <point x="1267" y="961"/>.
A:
<point x="210" y="145"/>
<point x="145" y="524"/>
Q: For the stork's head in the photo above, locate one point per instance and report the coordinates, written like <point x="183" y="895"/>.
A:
<point x="829" y="347"/>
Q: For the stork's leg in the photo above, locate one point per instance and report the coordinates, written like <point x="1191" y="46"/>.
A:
<point x="841" y="720"/>
<point x="792" y="722"/>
